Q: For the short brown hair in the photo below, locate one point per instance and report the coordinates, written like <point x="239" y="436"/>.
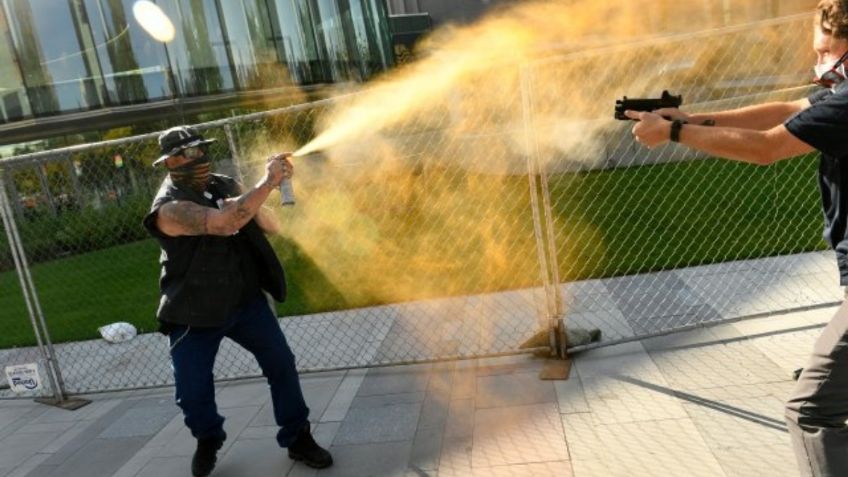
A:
<point x="832" y="17"/>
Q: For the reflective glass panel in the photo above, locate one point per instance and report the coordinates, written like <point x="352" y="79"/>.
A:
<point x="13" y="102"/>
<point x="134" y="65"/>
<point x="329" y="28"/>
<point x="295" y="38"/>
<point x="251" y="41"/>
<point x="57" y="68"/>
<point x="198" y="53"/>
<point x="370" y="36"/>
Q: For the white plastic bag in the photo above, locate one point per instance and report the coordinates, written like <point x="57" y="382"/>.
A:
<point x="118" y="332"/>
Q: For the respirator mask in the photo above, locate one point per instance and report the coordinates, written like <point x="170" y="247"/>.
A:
<point x="831" y="75"/>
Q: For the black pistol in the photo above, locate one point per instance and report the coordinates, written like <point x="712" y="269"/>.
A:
<point x="667" y="100"/>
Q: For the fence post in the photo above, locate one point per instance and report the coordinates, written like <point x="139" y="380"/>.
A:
<point x="39" y="326"/>
<point x="45" y="188"/>
<point x="9" y="181"/>
<point x="231" y="142"/>
<point x="7" y="217"/>
<point x="542" y="217"/>
<point x="75" y="182"/>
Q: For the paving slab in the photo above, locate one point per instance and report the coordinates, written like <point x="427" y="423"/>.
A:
<point x="426" y="449"/>
<point x="775" y="460"/>
<point x="735" y="423"/>
<point x="346" y="392"/>
<point x="705" y="402"/>
<point x="388" y="459"/>
<point x="366" y="425"/>
<point x="539" y="469"/>
<point x="628" y="359"/>
<point x="518" y="435"/>
<point x="614" y="400"/>
<point x="256" y="458"/>
<point x="506" y="390"/>
<point x="732" y="363"/>
<point x="645" y="448"/>
<point x="395" y="380"/>
<point x="570" y="395"/>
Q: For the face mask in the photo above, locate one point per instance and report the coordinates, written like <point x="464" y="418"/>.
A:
<point x="830" y="75"/>
<point x="194" y="175"/>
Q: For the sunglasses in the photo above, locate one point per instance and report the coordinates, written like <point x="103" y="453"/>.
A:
<point x="194" y="152"/>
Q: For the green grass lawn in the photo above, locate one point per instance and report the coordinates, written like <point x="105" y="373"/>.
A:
<point x="675" y="215"/>
<point x="607" y="223"/>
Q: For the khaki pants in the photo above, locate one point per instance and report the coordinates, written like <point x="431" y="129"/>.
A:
<point x="816" y="413"/>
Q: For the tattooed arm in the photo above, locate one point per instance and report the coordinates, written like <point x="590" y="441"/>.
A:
<point x="187" y="218"/>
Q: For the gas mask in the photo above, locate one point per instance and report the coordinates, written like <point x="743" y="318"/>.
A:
<point x="195" y="174"/>
<point x="831" y="75"/>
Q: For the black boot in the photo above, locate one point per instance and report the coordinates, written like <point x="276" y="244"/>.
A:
<point x="305" y="449"/>
<point x="205" y="456"/>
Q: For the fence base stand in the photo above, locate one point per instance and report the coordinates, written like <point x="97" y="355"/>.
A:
<point x="558" y="365"/>
<point x="69" y="404"/>
<point x="556" y="369"/>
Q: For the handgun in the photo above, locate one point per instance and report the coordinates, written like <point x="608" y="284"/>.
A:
<point x="667" y="100"/>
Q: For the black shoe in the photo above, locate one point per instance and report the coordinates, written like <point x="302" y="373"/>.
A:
<point x="205" y="456"/>
<point x="305" y="449"/>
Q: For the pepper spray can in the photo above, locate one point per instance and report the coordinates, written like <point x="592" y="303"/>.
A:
<point x="287" y="192"/>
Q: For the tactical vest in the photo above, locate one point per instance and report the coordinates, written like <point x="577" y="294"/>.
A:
<point x="201" y="281"/>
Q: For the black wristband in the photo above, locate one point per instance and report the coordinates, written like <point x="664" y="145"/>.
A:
<point x="676" y="126"/>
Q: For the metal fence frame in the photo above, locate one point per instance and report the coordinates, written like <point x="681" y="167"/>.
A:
<point x="550" y="310"/>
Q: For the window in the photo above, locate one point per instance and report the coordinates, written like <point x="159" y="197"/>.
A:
<point x="198" y="53"/>
<point x="369" y="38"/>
<point x="13" y="102"/>
<point x="329" y="27"/>
<point x="134" y="65"/>
<point x="250" y="37"/>
<point x="57" y="70"/>
<point x="295" y="38"/>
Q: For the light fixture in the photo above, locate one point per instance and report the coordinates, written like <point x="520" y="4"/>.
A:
<point x="154" y="21"/>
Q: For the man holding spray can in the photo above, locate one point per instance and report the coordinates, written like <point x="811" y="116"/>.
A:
<point x="216" y="262"/>
<point x="817" y="411"/>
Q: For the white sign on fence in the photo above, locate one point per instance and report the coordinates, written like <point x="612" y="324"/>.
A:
<point x="23" y="377"/>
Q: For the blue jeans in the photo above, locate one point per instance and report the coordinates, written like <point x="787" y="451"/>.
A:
<point x="255" y="328"/>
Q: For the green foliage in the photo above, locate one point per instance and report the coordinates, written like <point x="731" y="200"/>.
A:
<point x="607" y="223"/>
<point x="47" y="236"/>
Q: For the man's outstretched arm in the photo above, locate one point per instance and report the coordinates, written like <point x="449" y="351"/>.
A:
<point x="744" y="145"/>
<point x="179" y="218"/>
<point x="759" y="117"/>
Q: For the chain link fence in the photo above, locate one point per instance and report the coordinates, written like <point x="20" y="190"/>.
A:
<point x="27" y="369"/>
<point x="650" y="241"/>
<point x="415" y="246"/>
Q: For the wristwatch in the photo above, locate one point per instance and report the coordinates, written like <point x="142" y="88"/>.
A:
<point x="676" y="126"/>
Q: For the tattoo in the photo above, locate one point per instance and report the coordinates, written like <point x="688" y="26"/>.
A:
<point x="191" y="217"/>
<point x="242" y="212"/>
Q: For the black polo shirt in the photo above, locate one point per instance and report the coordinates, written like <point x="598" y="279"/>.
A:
<point x="205" y="277"/>
<point x="824" y="126"/>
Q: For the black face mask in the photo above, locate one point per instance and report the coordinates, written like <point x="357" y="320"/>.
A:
<point x="194" y="175"/>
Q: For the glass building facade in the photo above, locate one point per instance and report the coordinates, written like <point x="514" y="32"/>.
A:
<point x="62" y="56"/>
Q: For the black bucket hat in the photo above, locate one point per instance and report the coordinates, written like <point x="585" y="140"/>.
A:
<point x="176" y="139"/>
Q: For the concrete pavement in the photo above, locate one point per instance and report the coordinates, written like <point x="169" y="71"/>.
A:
<point x="702" y="403"/>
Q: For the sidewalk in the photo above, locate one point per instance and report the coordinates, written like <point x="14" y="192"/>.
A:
<point x="621" y="307"/>
<point x="701" y="403"/>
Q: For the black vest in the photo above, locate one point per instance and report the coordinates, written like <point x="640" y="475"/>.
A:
<point x="201" y="281"/>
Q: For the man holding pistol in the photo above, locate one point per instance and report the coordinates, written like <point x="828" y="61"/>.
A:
<point x="816" y="413"/>
<point x="216" y="262"/>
